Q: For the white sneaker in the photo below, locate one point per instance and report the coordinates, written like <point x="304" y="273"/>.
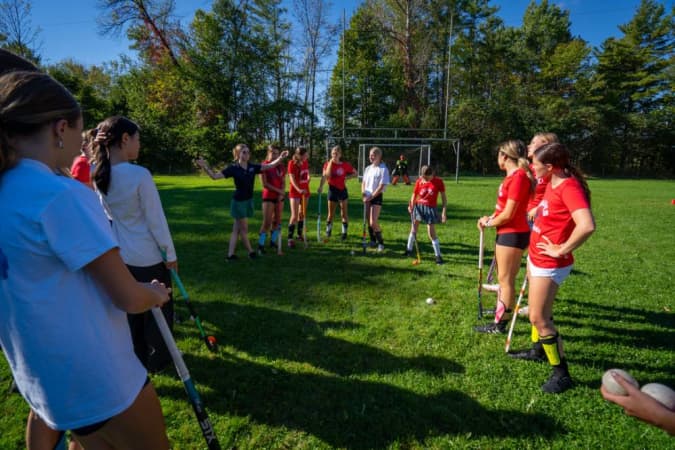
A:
<point x="524" y="311"/>
<point x="380" y="248"/>
<point x="491" y="287"/>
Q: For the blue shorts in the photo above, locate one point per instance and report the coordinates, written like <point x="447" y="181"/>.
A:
<point x="426" y="214"/>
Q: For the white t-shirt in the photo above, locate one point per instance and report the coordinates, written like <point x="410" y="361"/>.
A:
<point x="138" y="219"/>
<point x="374" y="176"/>
<point x="68" y="345"/>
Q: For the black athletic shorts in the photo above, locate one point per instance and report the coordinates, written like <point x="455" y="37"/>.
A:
<point x="337" y="195"/>
<point x="516" y="240"/>
<point x="271" y="200"/>
<point x="376" y="200"/>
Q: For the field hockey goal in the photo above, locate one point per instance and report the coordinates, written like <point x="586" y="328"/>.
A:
<point x="417" y="156"/>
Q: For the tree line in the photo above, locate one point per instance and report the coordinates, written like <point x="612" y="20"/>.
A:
<point x="248" y="71"/>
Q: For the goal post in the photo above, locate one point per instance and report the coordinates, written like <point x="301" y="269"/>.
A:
<point x="417" y="156"/>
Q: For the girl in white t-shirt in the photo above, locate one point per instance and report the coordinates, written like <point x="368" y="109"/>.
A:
<point x="375" y="181"/>
<point x="64" y="289"/>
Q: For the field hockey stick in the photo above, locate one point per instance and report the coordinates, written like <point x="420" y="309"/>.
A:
<point x="183" y="373"/>
<point x="491" y="270"/>
<point x="318" y="220"/>
<point x="279" y="252"/>
<point x="515" y="315"/>
<point x="480" y="273"/>
<point x="304" y="219"/>
<point x="210" y="341"/>
<point x="363" y="235"/>
<point x="417" y="248"/>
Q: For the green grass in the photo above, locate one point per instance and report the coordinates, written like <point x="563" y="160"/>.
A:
<point x="322" y="349"/>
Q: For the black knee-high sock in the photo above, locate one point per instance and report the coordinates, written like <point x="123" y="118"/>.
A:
<point x="371" y="232"/>
<point x="378" y="237"/>
<point x="301" y="224"/>
<point x="291" y="229"/>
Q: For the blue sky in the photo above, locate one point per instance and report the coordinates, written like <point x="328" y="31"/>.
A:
<point x="68" y="29"/>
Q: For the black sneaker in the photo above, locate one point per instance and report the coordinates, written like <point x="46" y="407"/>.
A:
<point x="439" y="260"/>
<point x="261" y="249"/>
<point x="273" y="244"/>
<point x="407" y="253"/>
<point x="343" y="237"/>
<point x="557" y="383"/>
<point x="492" y="328"/>
<point x="232" y="257"/>
<point x="530" y="354"/>
<point x="253" y="255"/>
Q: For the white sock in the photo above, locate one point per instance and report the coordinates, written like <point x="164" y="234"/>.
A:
<point x="411" y="241"/>
<point x="437" y="247"/>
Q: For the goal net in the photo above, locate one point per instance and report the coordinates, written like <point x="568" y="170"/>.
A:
<point x="417" y="157"/>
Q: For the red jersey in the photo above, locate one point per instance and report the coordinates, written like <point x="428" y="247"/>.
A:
<point x="338" y="173"/>
<point x="516" y="187"/>
<point x="80" y="170"/>
<point x="426" y="192"/>
<point x="301" y="174"/>
<point x="274" y="177"/>
<point x="554" y="220"/>
<point x="539" y="189"/>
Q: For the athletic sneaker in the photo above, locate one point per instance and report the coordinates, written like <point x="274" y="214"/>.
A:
<point x="524" y="311"/>
<point x="291" y="243"/>
<point x="491" y="287"/>
<point x="492" y="328"/>
<point x="253" y="255"/>
<point x="261" y="249"/>
<point x="557" y="383"/>
<point x="530" y="354"/>
<point x="273" y="244"/>
<point x="407" y="253"/>
<point x="380" y="248"/>
<point x="343" y="237"/>
<point x="439" y="260"/>
<point x="232" y="257"/>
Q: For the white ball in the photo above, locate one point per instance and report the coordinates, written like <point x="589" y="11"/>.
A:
<point x="430" y="301"/>
<point x="661" y="393"/>
<point x="352" y="252"/>
<point x="612" y="386"/>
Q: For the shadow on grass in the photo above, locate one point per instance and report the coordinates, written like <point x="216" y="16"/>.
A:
<point x="277" y="334"/>
<point x="349" y="413"/>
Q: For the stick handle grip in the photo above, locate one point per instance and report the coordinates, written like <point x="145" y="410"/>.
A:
<point x="481" y="248"/>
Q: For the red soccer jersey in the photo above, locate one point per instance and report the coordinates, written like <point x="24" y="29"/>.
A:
<point x="338" y="173"/>
<point x="515" y="186"/>
<point x="301" y="174"/>
<point x="539" y="190"/>
<point x="426" y="192"/>
<point x="554" y="220"/>
<point x="274" y="177"/>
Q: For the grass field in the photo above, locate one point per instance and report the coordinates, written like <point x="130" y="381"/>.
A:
<point x="322" y="349"/>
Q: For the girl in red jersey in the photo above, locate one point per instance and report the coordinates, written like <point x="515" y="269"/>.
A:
<point x="422" y="207"/>
<point x="337" y="172"/>
<point x="274" y="188"/>
<point x="537" y="141"/>
<point x="563" y="222"/>
<point x="298" y="176"/>
<point x="513" y="231"/>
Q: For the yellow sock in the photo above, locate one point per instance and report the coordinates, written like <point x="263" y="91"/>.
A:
<point x="550" y="344"/>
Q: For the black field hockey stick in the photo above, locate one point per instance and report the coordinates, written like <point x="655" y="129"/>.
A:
<point x="364" y="243"/>
<point x="184" y="375"/>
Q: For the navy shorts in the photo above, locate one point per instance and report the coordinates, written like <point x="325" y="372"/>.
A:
<point x="426" y="214"/>
<point x="376" y="200"/>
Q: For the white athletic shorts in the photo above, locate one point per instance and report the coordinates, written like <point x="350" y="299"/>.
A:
<point x="557" y="274"/>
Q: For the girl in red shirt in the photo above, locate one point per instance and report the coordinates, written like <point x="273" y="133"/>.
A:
<point x="337" y="172"/>
<point x="537" y="141"/>
<point x="563" y="222"/>
<point x="422" y="207"/>
<point x="274" y="189"/>
<point x="298" y="176"/>
<point x="513" y="231"/>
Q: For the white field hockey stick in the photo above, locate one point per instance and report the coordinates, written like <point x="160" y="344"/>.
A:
<point x="515" y="315"/>
<point x="480" y="273"/>
<point x="183" y="373"/>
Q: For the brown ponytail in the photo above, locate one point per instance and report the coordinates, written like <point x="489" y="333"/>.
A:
<point x="558" y="156"/>
<point x="109" y="134"/>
